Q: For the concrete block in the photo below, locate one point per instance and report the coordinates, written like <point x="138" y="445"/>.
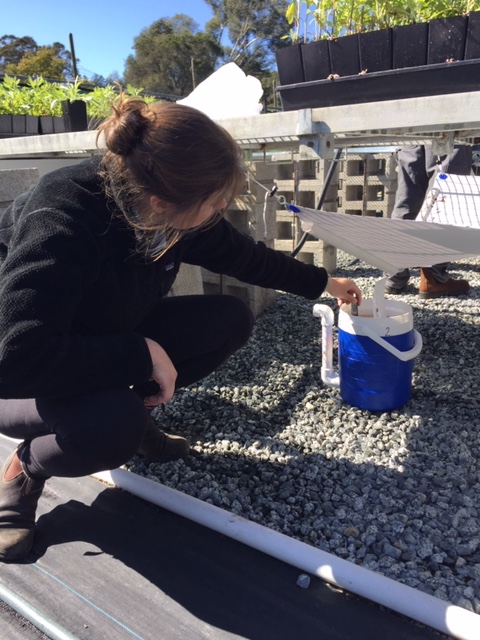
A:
<point x="257" y="298"/>
<point x="188" y="282"/>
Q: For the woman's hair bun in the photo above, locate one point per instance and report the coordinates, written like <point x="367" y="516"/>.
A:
<point x="125" y="127"/>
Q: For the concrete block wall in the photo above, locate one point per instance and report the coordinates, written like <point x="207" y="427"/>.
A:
<point x="302" y="182"/>
<point x="367" y="184"/>
<point x="363" y="184"/>
<point x="253" y="214"/>
<point x="188" y="281"/>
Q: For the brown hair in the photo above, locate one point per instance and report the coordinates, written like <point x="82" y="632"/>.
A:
<point x="171" y="151"/>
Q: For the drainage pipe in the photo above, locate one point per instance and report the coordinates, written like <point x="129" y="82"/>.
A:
<point x="33" y="615"/>
<point x="419" y="606"/>
<point x="327" y="372"/>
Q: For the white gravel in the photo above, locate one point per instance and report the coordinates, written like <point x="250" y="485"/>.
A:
<point x="396" y="492"/>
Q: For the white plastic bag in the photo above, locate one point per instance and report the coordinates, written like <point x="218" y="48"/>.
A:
<point x="227" y="93"/>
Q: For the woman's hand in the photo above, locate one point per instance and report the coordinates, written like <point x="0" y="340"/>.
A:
<point x="164" y="374"/>
<point x="345" y="290"/>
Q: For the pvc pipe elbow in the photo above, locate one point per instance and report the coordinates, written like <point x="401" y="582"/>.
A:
<point x="330" y="378"/>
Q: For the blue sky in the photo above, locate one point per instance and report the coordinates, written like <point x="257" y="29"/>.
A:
<point x="103" y="30"/>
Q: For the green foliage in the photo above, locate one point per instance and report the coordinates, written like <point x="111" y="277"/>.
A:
<point x="43" y="62"/>
<point x="12" y="49"/>
<point x="23" y="57"/>
<point x="255" y="29"/>
<point x="171" y="56"/>
<point x="100" y="101"/>
<point x="315" y="19"/>
<point x="41" y="98"/>
<point x="12" y="99"/>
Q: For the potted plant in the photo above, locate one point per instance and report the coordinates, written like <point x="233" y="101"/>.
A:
<point x="73" y="107"/>
<point x="43" y="99"/>
<point x="38" y="106"/>
<point x="352" y="51"/>
<point x="15" y="118"/>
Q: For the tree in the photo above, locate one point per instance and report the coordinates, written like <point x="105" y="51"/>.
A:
<point x="172" y="56"/>
<point x="254" y="27"/>
<point x="22" y="56"/>
<point x="98" y="80"/>
<point x="12" y="49"/>
<point x="44" y="62"/>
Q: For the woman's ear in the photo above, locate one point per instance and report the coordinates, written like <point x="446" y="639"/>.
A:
<point x="157" y="205"/>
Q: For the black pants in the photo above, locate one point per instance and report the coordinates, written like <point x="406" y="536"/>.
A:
<point x="80" y="435"/>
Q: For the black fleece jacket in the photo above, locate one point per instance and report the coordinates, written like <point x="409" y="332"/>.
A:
<point x="74" y="287"/>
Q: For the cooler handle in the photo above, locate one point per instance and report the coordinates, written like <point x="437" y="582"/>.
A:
<point x="404" y="356"/>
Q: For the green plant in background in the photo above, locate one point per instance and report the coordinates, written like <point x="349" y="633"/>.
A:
<point x="41" y="98"/>
<point x="131" y="91"/>
<point x="317" y="19"/>
<point x="100" y="101"/>
<point x="12" y="99"/>
<point x="71" y="91"/>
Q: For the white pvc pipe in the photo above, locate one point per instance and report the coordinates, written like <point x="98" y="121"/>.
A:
<point x="431" y="611"/>
<point x="379" y="302"/>
<point x="327" y="372"/>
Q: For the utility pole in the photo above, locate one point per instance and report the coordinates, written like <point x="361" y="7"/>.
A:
<point x="192" y="66"/>
<point x="74" y="59"/>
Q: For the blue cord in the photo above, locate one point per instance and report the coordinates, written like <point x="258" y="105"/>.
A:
<point x="94" y="606"/>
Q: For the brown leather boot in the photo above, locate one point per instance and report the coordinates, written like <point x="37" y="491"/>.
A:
<point x="430" y="288"/>
<point x="158" y="446"/>
<point x="18" y="503"/>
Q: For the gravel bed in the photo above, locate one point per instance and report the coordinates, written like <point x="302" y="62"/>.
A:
<point x="396" y="492"/>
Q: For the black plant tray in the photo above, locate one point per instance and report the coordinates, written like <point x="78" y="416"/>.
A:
<point x="412" y="82"/>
